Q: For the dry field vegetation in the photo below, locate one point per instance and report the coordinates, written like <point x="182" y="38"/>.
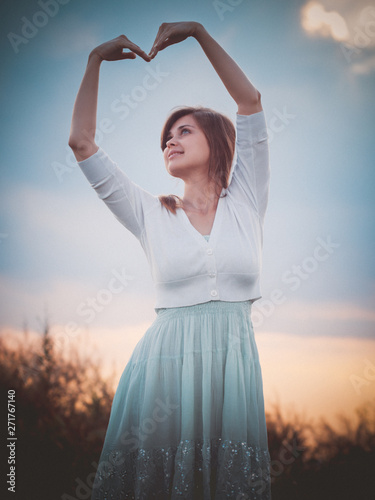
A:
<point x="63" y="405"/>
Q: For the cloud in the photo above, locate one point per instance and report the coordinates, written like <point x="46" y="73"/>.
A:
<point x="337" y="319"/>
<point x="337" y="311"/>
<point x="365" y="66"/>
<point x="316" y="20"/>
<point x="58" y="226"/>
<point x="350" y="24"/>
<point x="65" y="249"/>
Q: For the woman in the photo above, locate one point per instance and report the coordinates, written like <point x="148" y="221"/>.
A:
<point x="187" y="420"/>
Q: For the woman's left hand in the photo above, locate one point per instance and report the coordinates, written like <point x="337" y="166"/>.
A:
<point x="170" y="33"/>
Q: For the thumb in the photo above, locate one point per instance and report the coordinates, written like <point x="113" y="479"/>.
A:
<point x="128" y="55"/>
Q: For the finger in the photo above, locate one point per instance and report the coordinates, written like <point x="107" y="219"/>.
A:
<point x="157" y="46"/>
<point x="163" y="45"/>
<point x="128" y="55"/>
<point x="165" y="39"/>
<point x="153" y="52"/>
<point x="160" y="30"/>
<point x="166" y="43"/>
<point x="127" y="44"/>
<point x="142" y="54"/>
<point x="137" y="50"/>
<point x="158" y="38"/>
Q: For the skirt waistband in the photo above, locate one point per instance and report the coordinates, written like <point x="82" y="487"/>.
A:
<point x="211" y="307"/>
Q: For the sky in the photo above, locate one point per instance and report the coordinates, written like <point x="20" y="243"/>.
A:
<point x="60" y="247"/>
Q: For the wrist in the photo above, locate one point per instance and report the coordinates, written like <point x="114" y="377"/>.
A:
<point x="198" y="30"/>
<point x="95" y="57"/>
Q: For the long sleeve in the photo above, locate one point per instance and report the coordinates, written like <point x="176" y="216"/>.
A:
<point x="251" y="173"/>
<point x="124" y="198"/>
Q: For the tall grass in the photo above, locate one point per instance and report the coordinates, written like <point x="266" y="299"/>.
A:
<point x="63" y="406"/>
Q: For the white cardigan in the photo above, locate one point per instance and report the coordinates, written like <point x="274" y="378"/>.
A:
<point x="186" y="268"/>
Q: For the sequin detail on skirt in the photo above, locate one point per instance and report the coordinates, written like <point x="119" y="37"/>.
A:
<point x="195" y="470"/>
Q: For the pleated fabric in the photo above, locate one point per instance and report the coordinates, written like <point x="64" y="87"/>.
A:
<point x="187" y="420"/>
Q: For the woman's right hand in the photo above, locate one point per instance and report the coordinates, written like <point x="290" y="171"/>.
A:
<point x="113" y="50"/>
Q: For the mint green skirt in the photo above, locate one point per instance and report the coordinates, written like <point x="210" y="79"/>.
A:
<point x="187" y="420"/>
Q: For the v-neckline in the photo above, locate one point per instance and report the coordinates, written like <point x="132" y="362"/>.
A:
<point x="199" y="236"/>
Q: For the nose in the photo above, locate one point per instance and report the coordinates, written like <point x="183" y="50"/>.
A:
<point x="170" y="142"/>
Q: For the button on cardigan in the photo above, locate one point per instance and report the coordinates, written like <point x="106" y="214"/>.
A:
<point x="186" y="268"/>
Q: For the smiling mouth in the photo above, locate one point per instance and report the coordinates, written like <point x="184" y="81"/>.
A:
<point x="173" y="155"/>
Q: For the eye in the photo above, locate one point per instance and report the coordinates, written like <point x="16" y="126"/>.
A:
<point x="185" y="130"/>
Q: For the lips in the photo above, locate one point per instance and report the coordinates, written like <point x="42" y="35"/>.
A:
<point x="174" y="153"/>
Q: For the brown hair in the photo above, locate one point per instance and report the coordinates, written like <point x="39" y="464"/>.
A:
<point x="221" y="136"/>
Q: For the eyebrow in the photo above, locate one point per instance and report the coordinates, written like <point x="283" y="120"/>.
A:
<point x="187" y="125"/>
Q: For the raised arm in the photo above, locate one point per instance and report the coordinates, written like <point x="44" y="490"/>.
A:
<point x="244" y="93"/>
<point x="82" y="133"/>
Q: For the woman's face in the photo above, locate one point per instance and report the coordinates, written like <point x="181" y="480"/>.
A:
<point x="187" y="150"/>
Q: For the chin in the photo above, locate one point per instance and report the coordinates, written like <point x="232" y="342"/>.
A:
<point x="175" y="172"/>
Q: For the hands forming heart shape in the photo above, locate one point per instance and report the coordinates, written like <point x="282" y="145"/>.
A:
<point x="168" y="34"/>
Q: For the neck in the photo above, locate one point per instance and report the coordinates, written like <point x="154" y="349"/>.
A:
<point x="200" y="197"/>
